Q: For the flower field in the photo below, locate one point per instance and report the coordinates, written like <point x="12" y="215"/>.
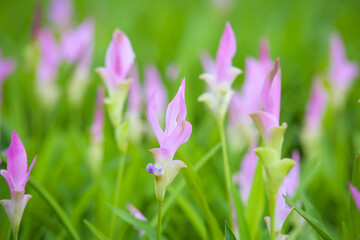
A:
<point x="164" y="119"/>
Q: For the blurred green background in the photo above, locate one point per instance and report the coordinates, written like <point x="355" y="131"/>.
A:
<point x="162" y="32"/>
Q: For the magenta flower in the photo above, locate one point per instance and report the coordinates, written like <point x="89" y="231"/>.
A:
<point x="16" y="175"/>
<point x="270" y="100"/>
<point x="77" y="43"/>
<point x="118" y="62"/>
<point x="207" y="62"/>
<point x="153" y="83"/>
<point x="177" y="132"/>
<point x="244" y="178"/>
<point x="355" y="194"/>
<point x="342" y="72"/>
<point x="50" y="57"/>
<point x="221" y="76"/>
<point x="119" y="59"/>
<point x="316" y="108"/>
<point x="248" y="100"/>
<point x="7" y="65"/>
<point x="60" y="13"/>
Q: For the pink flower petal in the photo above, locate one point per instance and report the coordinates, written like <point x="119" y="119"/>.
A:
<point x="17" y="162"/>
<point x="271" y="92"/>
<point x="119" y="56"/>
<point x="225" y="54"/>
<point x="60" y="13"/>
<point x="355" y="194"/>
<point x="316" y="107"/>
<point x="176" y="110"/>
<point x="154" y="82"/>
<point x="342" y="72"/>
<point x="153" y="120"/>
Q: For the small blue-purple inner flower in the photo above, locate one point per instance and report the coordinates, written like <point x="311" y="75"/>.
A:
<point x="152" y="169"/>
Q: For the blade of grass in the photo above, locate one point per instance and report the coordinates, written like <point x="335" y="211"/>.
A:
<point x="127" y="217"/>
<point x="96" y="231"/>
<point x="193" y="215"/>
<point x="229" y="235"/>
<point x="255" y="203"/>
<point x="240" y="214"/>
<point x="196" y="190"/>
<point x="315" y="224"/>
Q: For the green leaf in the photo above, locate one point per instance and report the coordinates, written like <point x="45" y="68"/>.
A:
<point x="96" y="231"/>
<point x="65" y="220"/>
<point x="315" y="224"/>
<point x="255" y="203"/>
<point x="229" y="235"/>
<point x="127" y="217"/>
<point x="240" y="214"/>
<point x="193" y="215"/>
<point x="194" y="184"/>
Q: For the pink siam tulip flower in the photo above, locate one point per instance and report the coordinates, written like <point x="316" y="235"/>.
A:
<point x="153" y="82"/>
<point x="220" y="77"/>
<point x="77" y="43"/>
<point x="119" y="59"/>
<point x="355" y="194"/>
<point x="138" y="215"/>
<point x="16" y="175"/>
<point x="60" y="13"/>
<point x="50" y="57"/>
<point x="135" y="96"/>
<point x="342" y="72"/>
<point x="118" y="62"/>
<point x="245" y="177"/>
<point x="96" y="149"/>
<point x="97" y="126"/>
<point x="177" y="132"/>
<point x="135" y="105"/>
<point x="270" y="100"/>
<point x="248" y="101"/>
<point x="6" y="67"/>
<point x="316" y="108"/>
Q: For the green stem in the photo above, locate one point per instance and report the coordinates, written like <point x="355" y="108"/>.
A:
<point x="272" y="208"/>
<point x="117" y="193"/>
<point x="226" y="170"/>
<point x="159" y="220"/>
<point x="16" y="233"/>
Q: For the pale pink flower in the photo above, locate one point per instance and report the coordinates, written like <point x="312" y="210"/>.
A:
<point x="118" y="61"/>
<point x="97" y="126"/>
<point x="77" y="44"/>
<point x="315" y="108"/>
<point x="177" y="132"/>
<point x="153" y="82"/>
<point x="270" y="100"/>
<point x="60" y="13"/>
<point x="50" y="57"/>
<point x="342" y="72"/>
<point x="244" y="178"/>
